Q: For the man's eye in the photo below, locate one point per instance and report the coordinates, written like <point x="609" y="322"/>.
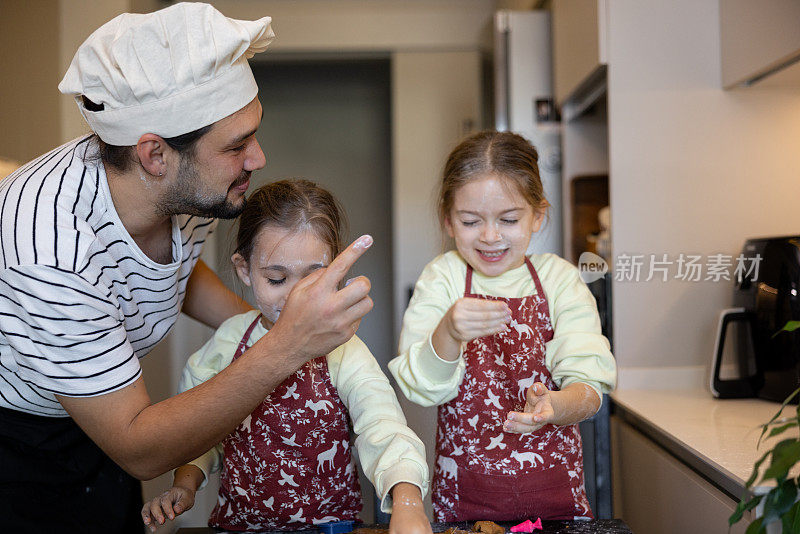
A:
<point x="275" y="282"/>
<point x="238" y="148"/>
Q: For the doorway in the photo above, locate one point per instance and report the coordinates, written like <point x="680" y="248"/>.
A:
<point x="328" y="120"/>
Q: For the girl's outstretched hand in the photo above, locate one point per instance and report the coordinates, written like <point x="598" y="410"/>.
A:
<point x="408" y="513"/>
<point x="169" y="504"/>
<point x="538" y="411"/>
<point x="176" y="500"/>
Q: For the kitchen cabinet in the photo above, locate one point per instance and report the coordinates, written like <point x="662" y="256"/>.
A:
<point x="656" y="493"/>
<point x="579" y="46"/>
<point x="680" y="457"/>
<point x="760" y="41"/>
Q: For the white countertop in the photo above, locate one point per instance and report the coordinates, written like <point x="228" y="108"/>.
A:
<point x="722" y="434"/>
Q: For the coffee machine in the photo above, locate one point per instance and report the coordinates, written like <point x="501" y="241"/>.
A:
<point x="766" y="358"/>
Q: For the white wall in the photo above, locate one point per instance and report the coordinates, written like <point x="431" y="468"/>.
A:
<point x="28" y="102"/>
<point x="363" y="25"/>
<point x="435" y="98"/>
<point x="435" y="95"/>
<point x="694" y="170"/>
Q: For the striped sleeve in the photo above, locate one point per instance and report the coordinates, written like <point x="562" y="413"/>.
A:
<point x="66" y="335"/>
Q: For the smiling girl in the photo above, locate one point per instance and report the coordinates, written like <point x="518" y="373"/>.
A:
<point x="508" y="346"/>
<point x="288" y="465"/>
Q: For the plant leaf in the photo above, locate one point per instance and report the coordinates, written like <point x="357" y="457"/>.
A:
<point x="756" y="467"/>
<point x="774" y="417"/>
<point x="756" y="527"/>
<point x="791" y="519"/>
<point x="790" y="326"/>
<point x="742" y="507"/>
<point x="781" y="429"/>
<point x="784" y="456"/>
<point x="779" y="500"/>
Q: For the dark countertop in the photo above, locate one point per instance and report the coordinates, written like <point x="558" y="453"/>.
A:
<point x="598" y="526"/>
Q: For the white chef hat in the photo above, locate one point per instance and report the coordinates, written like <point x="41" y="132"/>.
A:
<point x="169" y="72"/>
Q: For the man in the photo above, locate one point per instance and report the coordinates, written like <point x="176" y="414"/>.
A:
<point x="100" y="240"/>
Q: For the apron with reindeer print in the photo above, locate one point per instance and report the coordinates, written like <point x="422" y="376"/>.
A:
<point x="288" y="464"/>
<point x="483" y="472"/>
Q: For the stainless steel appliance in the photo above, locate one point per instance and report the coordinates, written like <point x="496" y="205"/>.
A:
<point x="765" y="360"/>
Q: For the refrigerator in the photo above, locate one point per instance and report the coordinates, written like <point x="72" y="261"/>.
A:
<point x="524" y="104"/>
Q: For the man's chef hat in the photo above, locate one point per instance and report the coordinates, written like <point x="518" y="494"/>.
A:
<point x="169" y="72"/>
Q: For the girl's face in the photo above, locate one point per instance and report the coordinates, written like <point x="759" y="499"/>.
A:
<point x="279" y="260"/>
<point x="492" y="224"/>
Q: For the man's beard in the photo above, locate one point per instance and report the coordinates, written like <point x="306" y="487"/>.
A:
<point x="186" y="198"/>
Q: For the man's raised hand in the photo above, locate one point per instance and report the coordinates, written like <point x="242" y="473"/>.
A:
<point x="318" y="316"/>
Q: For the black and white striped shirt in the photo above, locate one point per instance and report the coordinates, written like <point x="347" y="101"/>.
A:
<point x="79" y="301"/>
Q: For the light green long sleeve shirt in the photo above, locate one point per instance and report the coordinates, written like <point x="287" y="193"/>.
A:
<point x="388" y="450"/>
<point x="578" y="351"/>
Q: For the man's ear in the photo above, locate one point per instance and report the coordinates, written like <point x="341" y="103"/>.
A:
<point x="151" y="150"/>
<point x="242" y="268"/>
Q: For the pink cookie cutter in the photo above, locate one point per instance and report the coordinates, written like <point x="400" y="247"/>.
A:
<point x="528" y="526"/>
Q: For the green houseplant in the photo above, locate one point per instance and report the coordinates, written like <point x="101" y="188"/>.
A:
<point x="780" y="502"/>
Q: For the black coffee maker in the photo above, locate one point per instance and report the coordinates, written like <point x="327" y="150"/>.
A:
<point x="766" y="360"/>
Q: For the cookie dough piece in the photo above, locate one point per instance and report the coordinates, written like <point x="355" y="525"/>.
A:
<point x="488" y="527"/>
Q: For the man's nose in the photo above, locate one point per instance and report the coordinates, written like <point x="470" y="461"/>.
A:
<point x="255" y="157"/>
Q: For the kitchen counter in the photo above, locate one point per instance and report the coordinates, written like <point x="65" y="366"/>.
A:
<point x="715" y="437"/>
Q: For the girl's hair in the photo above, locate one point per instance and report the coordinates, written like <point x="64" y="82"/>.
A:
<point x="490" y="152"/>
<point x="291" y="204"/>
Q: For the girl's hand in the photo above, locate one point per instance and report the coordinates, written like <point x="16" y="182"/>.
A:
<point x="538" y="411"/>
<point x="171" y="504"/>
<point x="470" y="318"/>
<point x="408" y="513"/>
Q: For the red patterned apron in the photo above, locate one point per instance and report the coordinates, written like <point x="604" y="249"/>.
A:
<point x="288" y="465"/>
<point x="483" y="472"/>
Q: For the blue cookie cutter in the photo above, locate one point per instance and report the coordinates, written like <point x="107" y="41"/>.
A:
<point x="336" y="527"/>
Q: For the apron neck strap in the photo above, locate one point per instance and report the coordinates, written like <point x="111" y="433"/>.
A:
<point x="246" y="337"/>
<point x="468" y="280"/>
<point x="535" y="277"/>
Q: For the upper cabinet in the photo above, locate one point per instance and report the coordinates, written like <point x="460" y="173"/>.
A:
<point x="760" y="41"/>
<point x="579" y="46"/>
